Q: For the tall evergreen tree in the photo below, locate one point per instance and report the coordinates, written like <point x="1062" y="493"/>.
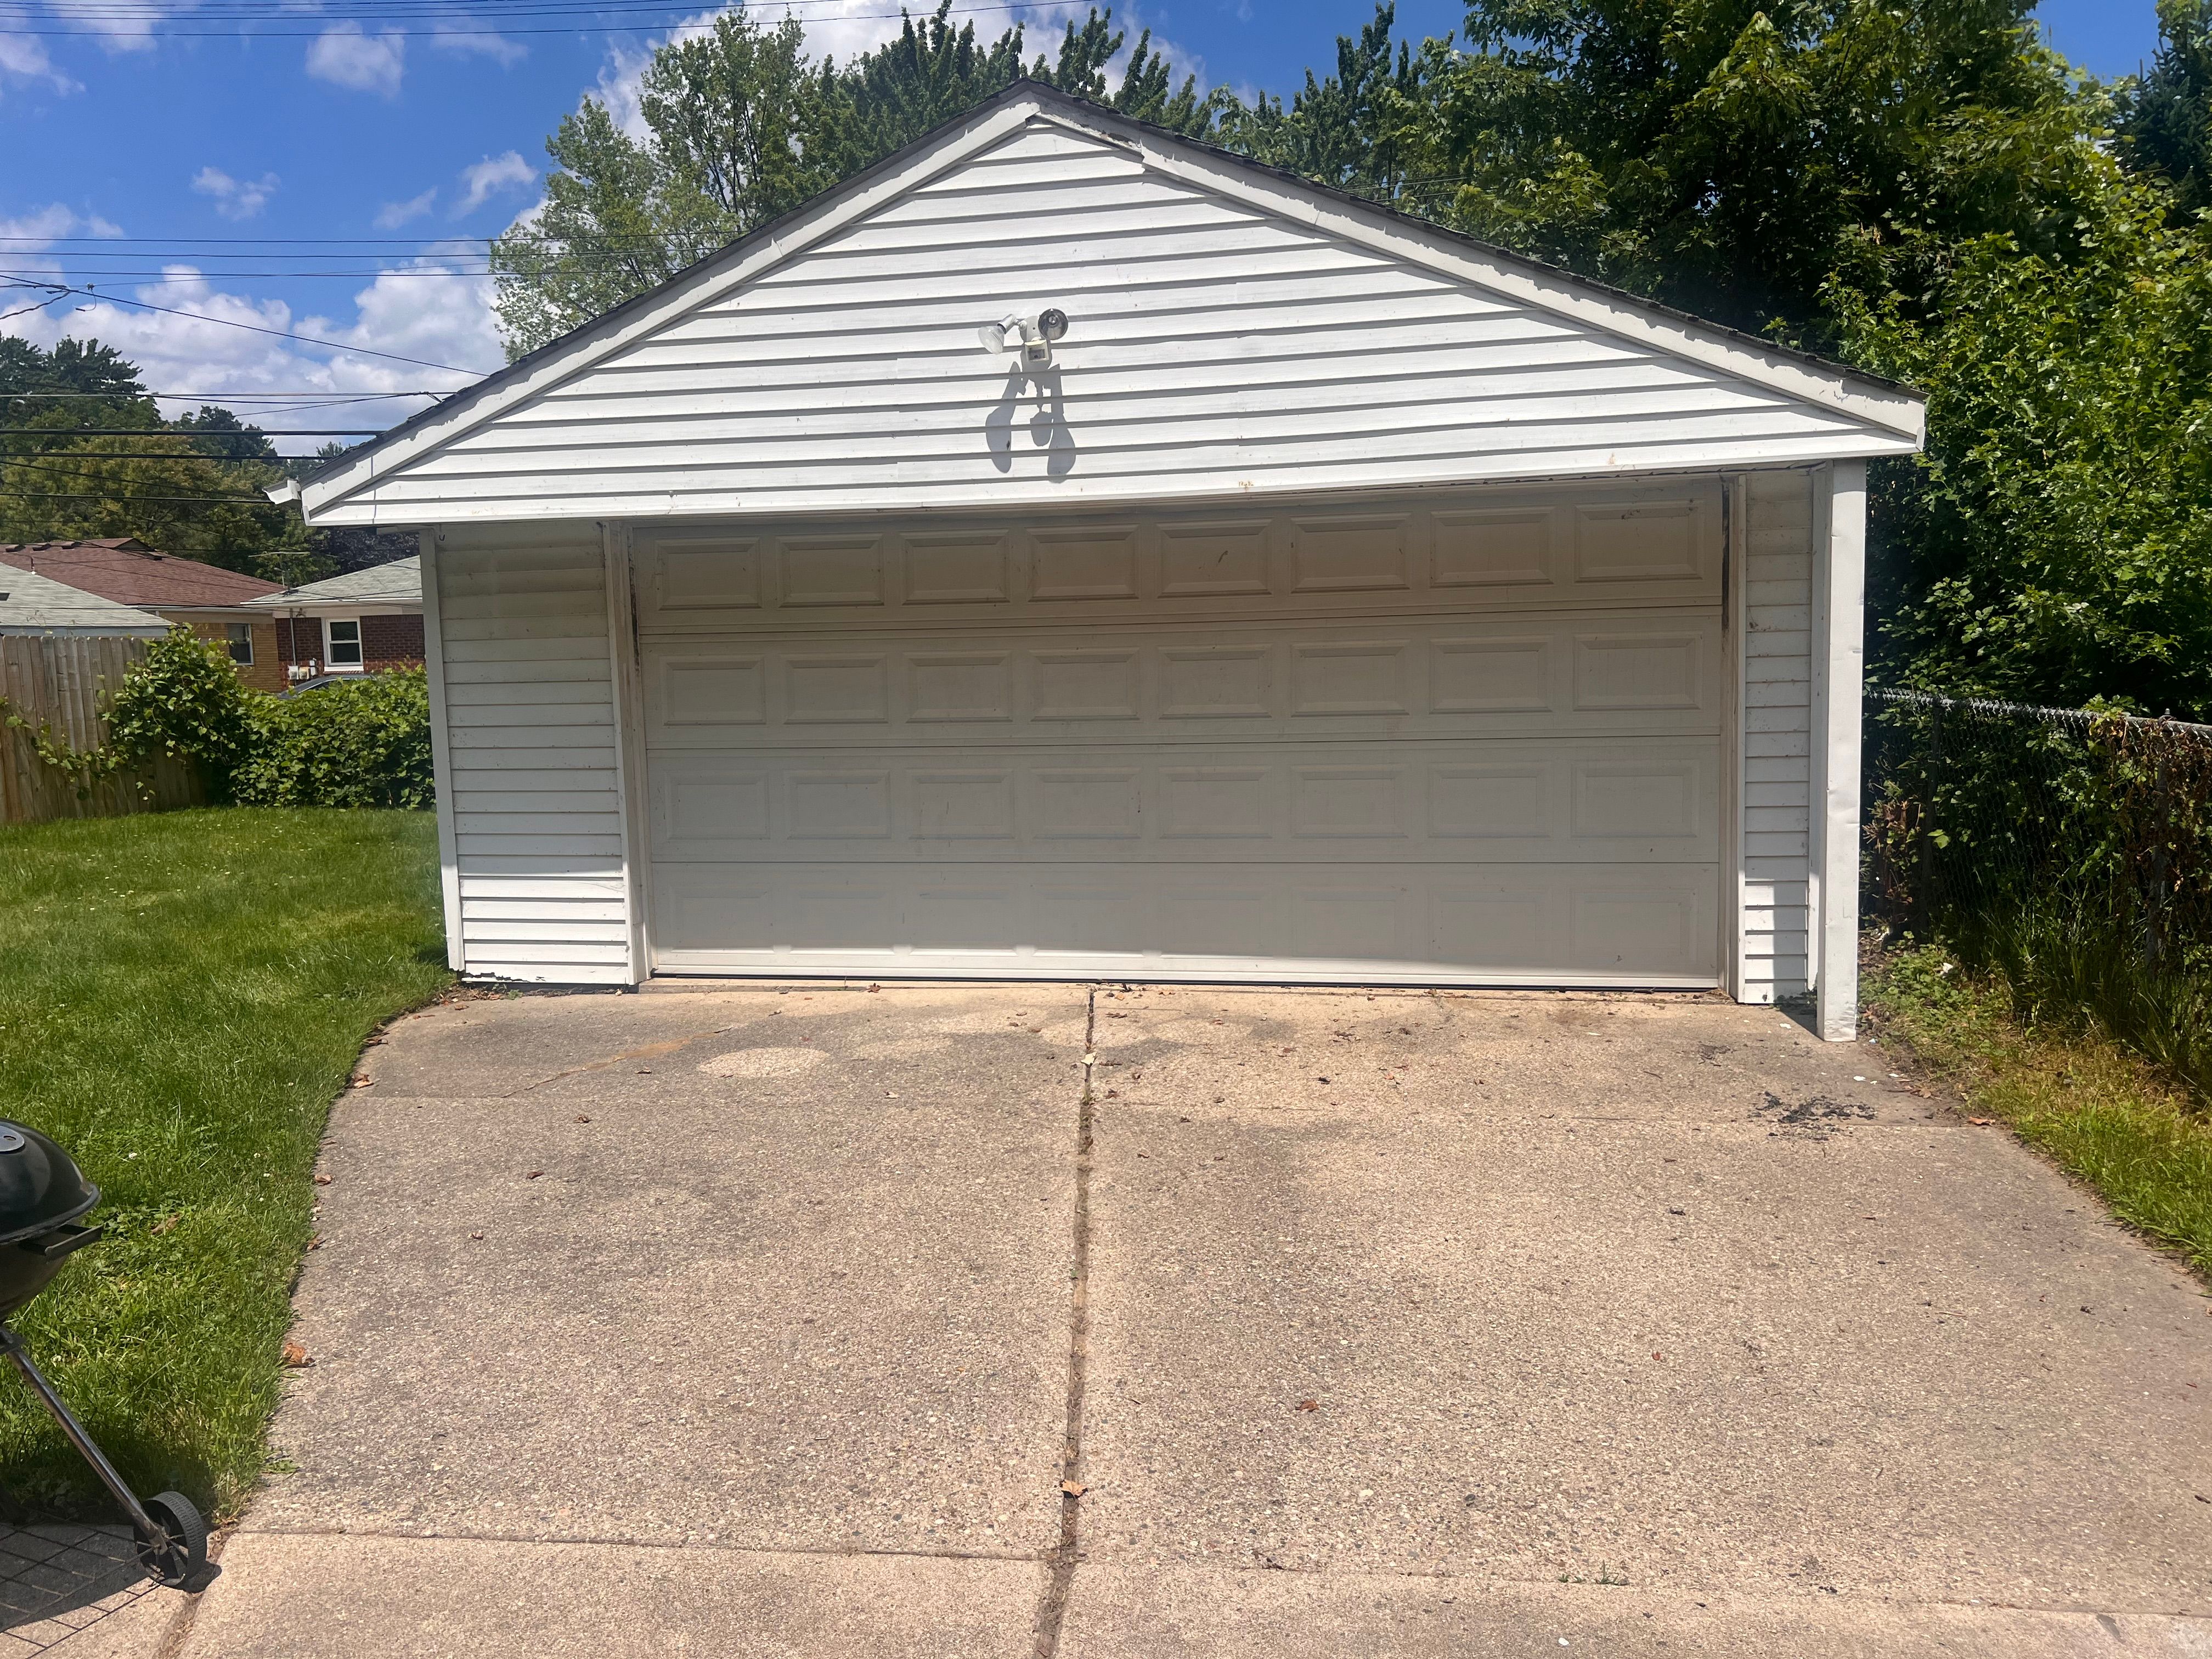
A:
<point x="2168" y="126"/>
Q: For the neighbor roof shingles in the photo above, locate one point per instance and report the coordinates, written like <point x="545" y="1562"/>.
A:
<point x="130" y="573"/>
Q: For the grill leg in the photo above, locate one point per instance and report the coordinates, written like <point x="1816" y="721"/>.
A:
<point x="142" y="1522"/>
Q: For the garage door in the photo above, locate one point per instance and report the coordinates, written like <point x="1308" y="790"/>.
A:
<point x="1466" y="740"/>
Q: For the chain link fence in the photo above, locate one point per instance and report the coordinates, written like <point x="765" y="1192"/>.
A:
<point x="2068" y="849"/>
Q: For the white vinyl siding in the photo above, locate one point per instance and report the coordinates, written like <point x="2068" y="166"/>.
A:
<point x="1778" y="733"/>
<point x="530" y="724"/>
<point x="1215" y="349"/>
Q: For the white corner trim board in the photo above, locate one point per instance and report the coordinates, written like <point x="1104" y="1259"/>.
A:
<point x="1839" y="670"/>
<point x="442" y="758"/>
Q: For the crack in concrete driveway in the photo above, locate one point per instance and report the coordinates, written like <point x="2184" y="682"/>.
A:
<point x="1061" y="1319"/>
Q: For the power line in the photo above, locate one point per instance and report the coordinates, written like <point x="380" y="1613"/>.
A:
<point x="130" y="495"/>
<point x="107" y="495"/>
<point x="183" y="432"/>
<point x="276" y="333"/>
<point x="235" y="397"/>
<point x="273" y="275"/>
<point x="578" y="27"/>
<point x="143" y="455"/>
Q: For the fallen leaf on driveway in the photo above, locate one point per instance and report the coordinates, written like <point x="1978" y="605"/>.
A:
<point x="1309" y="1405"/>
<point x="1073" y="1488"/>
<point x="322" y="1181"/>
<point x="533" y="1175"/>
<point x="476" y="1235"/>
<point x="297" y="1356"/>
<point x="1981" y="1120"/>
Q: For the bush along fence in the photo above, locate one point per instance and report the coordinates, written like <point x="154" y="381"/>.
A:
<point x="53" y="706"/>
<point x="178" y="712"/>
<point x="2066" y="851"/>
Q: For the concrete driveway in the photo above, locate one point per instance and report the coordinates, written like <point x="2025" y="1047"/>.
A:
<point x="1037" y="1320"/>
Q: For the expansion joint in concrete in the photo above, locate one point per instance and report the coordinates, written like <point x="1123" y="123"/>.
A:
<point x="1059" y="1569"/>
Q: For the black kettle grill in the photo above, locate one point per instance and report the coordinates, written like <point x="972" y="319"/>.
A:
<point x="42" y="1196"/>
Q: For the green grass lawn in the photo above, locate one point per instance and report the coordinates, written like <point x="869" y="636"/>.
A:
<point x="2102" y="1114"/>
<point x="184" y="994"/>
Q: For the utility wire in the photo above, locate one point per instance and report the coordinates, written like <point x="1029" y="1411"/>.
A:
<point x="145" y="455"/>
<point x="331" y="399"/>
<point x="184" y="431"/>
<point x="276" y="333"/>
<point x="580" y="26"/>
<point x="129" y="496"/>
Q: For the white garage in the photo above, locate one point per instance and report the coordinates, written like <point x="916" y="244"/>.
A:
<point x="1330" y="599"/>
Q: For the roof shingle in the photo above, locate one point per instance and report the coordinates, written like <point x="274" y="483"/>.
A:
<point x="129" y="573"/>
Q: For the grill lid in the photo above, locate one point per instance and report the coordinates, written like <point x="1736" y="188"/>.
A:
<point x="40" y="1186"/>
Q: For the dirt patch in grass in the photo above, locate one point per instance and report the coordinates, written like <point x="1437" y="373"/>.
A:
<point x="2103" y="1115"/>
<point x="185" y="993"/>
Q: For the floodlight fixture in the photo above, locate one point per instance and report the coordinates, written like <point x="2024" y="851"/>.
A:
<point x="1030" y="338"/>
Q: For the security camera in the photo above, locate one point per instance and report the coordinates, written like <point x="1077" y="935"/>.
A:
<point x="1031" y="338"/>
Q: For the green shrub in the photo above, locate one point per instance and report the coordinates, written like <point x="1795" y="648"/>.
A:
<point x="357" y="743"/>
<point x="183" y="702"/>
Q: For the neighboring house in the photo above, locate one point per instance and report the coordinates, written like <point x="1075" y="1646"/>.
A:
<point x="205" y="597"/>
<point x="32" y="603"/>
<point x="1338" y="600"/>
<point x="359" y="622"/>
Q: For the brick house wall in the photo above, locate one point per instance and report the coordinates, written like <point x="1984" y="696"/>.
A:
<point x="266" y="671"/>
<point x="307" y="647"/>
<point x="391" y="641"/>
<point x="386" y="641"/>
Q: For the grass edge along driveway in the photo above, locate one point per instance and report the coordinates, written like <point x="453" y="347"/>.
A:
<point x="186" y="994"/>
<point x="2107" y="1119"/>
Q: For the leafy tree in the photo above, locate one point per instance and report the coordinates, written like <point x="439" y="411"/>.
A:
<point x="1731" y="157"/>
<point x="2167" y="127"/>
<point x="742" y="126"/>
<point x="192" y="486"/>
<point x="293" y="567"/>
<point x="2054" y="544"/>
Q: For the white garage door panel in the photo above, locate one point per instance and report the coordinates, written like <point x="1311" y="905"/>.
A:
<point x="1584" y="671"/>
<point x="1656" y="543"/>
<point x="1474" y="741"/>
<point x="1503" y="924"/>
<point x="1575" y="801"/>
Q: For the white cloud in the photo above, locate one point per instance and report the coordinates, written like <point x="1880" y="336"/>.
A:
<point x="345" y="56"/>
<point x="469" y="37"/>
<point x="23" y="56"/>
<point x="494" y="172"/>
<point x="49" y="224"/>
<point x="392" y="214"/>
<point x="27" y="240"/>
<point x="234" y="198"/>
<point x="430" y="308"/>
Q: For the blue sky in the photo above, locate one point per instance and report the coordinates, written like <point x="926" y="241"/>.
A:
<point x="157" y="127"/>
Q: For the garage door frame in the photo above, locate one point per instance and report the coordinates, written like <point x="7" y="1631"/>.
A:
<point x="626" y="638"/>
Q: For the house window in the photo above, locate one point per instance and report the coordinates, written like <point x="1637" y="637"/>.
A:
<point x="344" y="650"/>
<point x="239" y="636"/>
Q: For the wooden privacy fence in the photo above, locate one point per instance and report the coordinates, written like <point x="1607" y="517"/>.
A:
<point x="58" y="682"/>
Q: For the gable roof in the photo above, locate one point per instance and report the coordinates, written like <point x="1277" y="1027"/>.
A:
<point x="397" y="581"/>
<point x="32" y="603"/>
<point x="1040" y="195"/>
<point x="129" y="571"/>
